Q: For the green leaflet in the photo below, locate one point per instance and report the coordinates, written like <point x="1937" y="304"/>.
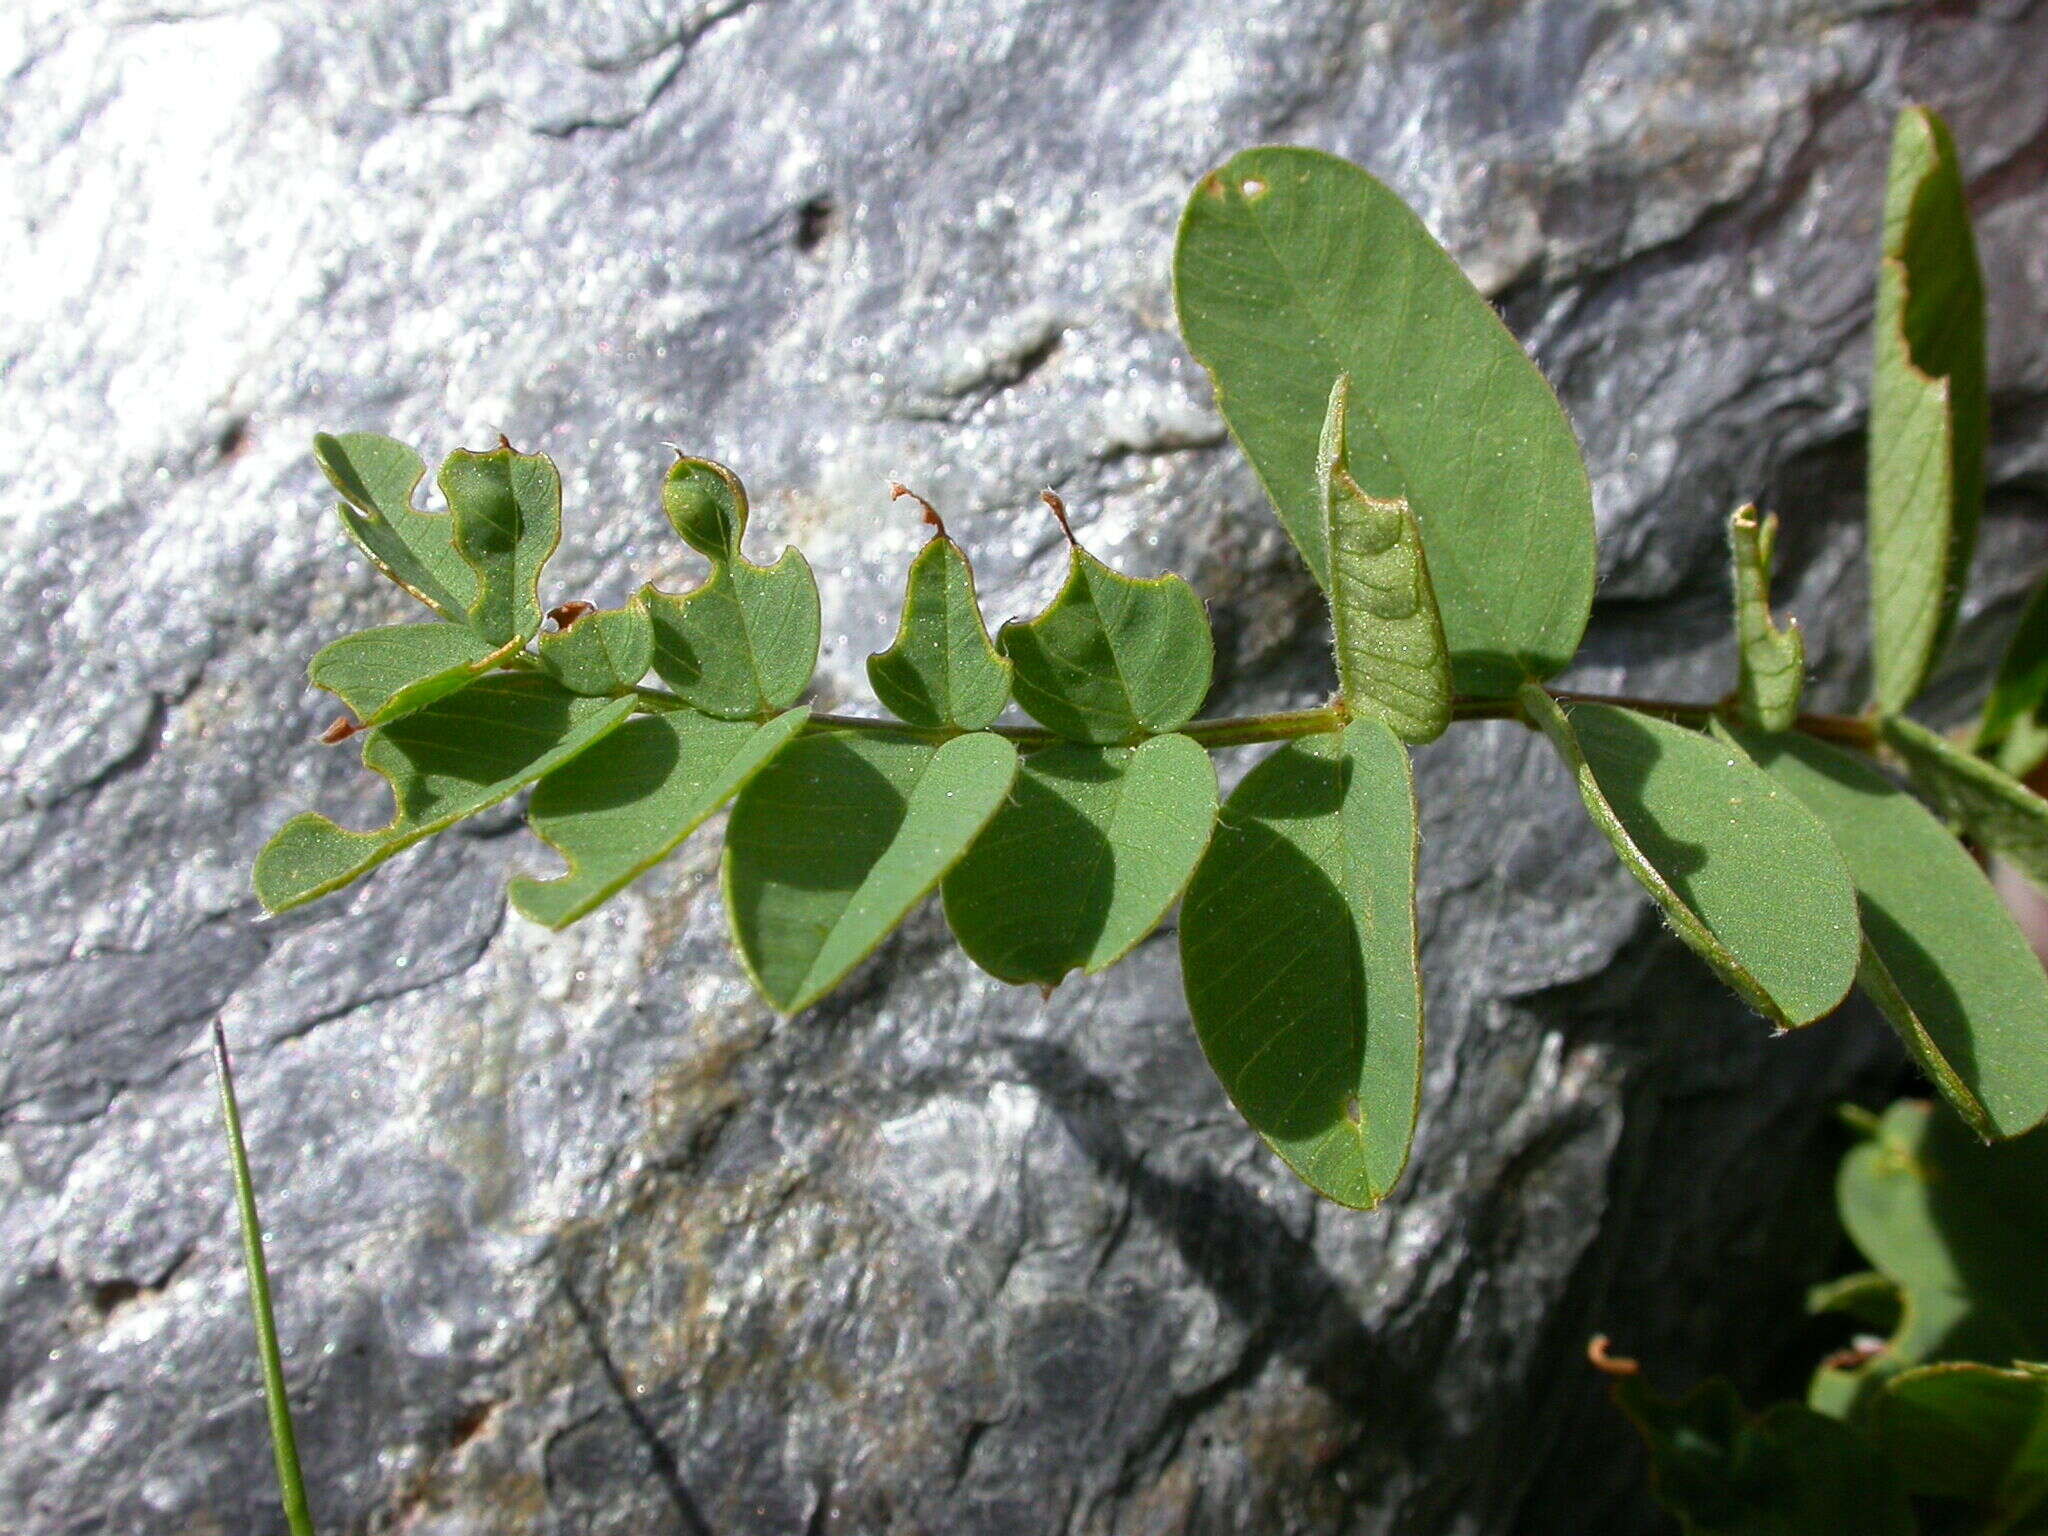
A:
<point x="604" y="653"/>
<point x="838" y="838"/>
<point x="943" y="672"/>
<point x="1744" y="873"/>
<point x="1942" y="956"/>
<point x="507" y="512"/>
<point x="1773" y="660"/>
<point x="1082" y="861"/>
<point x="1113" y="658"/>
<point x="381" y="674"/>
<point x="1971" y="1432"/>
<point x="1867" y="1296"/>
<point x="1996" y="810"/>
<point x="2014" y="728"/>
<point x="1928" y="414"/>
<point x="625" y="805"/>
<point x="1787" y="1471"/>
<point x="707" y="507"/>
<point x="744" y="644"/>
<point x="1391" y="661"/>
<point x="376" y="477"/>
<point x="1298" y="952"/>
<point x="459" y="755"/>
<point x="1293" y="267"/>
<point x="1961" y="1230"/>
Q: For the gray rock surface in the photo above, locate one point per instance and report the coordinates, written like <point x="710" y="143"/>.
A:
<point x="571" y="1234"/>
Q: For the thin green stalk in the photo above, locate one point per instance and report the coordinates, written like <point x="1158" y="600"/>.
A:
<point x="283" y="1444"/>
<point x="1287" y="725"/>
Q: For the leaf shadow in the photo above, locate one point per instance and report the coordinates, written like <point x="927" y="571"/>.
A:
<point x="624" y="768"/>
<point x="1041" y="920"/>
<point x="1265" y="1274"/>
<point x="866" y="811"/>
<point x="1624" y="754"/>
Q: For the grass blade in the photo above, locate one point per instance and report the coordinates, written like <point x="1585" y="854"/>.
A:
<point x="291" y="1487"/>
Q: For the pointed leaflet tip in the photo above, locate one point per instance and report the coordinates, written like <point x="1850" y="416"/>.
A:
<point x="1392" y="663"/>
<point x="898" y="491"/>
<point x="1059" y="512"/>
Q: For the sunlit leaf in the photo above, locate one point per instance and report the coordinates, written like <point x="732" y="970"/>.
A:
<point x="835" y="841"/>
<point x="1773" y="660"/>
<point x="384" y="673"/>
<point x="1298" y="951"/>
<point x="2014" y="728"/>
<point x="1928" y="415"/>
<point x="707" y="506"/>
<point x="1961" y="1230"/>
<point x="943" y="671"/>
<point x="376" y="477"/>
<point x="1082" y="861"/>
<point x="1996" y="810"/>
<point x="1293" y="267"/>
<point x="1785" y="1472"/>
<point x="1744" y="874"/>
<point x="603" y="653"/>
<point x="1113" y="658"/>
<point x="507" y="512"/>
<point x="743" y="645"/>
<point x="1972" y="1432"/>
<point x="459" y="755"/>
<point x="619" y="809"/>
<point x="1391" y="661"/>
<point x="1943" y="957"/>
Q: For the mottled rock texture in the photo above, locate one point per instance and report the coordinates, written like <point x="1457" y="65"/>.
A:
<point x="572" y="1235"/>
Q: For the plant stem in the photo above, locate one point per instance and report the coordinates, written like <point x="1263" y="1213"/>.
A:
<point x="283" y="1444"/>
<point x="1286" y="725"/>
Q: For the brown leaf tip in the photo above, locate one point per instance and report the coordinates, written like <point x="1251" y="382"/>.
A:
<point x="931" y="516"/>
<point x="1059" y="511"/>
<point x="344" y="727"/>
<point x="567" y="614"/>
<point x="1606" y="1364"/>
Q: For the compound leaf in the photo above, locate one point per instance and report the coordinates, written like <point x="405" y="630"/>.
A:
<point x="1968" y="1431"/>
<point x="707" y="506"/>
<point x="1294" y="267"/>
<point x="1942" y="957"/>
<point x="1996" y="810"/>
<point x="1298" y="951"/>
<point x="507" y="512"/>
<point x="1773" y="660"/>
<point x="1391" y="661"/>
<point x="1928" y="412"/>
<point x="457" y="756"/>
<point x="1744" y="873"/>
<point x="1785" y="1472"/>
<point x="1082" y="861"/>
<point x="1114" y="657"/>
<point x="604" y="653"/>
<point x="1960" y="1229"/>
<point x="384" y="673"/>
<point x="838" y="838"/>
<point x="943" y="671"/>
<point x="2014" y="727"/>
<point x="743" y="645"/>
<point x="625" y="805"/>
